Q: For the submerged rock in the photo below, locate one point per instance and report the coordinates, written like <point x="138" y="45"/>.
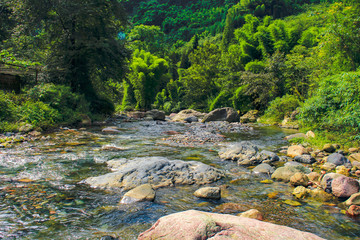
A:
<point x="205" y="133"/>
<point x="208" y="192"/>
<point x="252" y="213"/>
<point x="301" y="192"/>
<point x="222" y="114"/>
<point x="191" y="119"/>
<point x="193" y="225"/>
<point x="263" y="168"/>
<point x="141" y="193"/>
<point x="110" y="130"/>
<point x="159" y="171"/>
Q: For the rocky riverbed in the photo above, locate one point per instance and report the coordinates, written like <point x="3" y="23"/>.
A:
<point x="82" y="183"/>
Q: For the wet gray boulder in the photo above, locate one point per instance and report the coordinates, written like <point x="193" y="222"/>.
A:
<point x="305" y="158"/>
<point x="268" y="156"/>
<point x="245" y="153"/>
<point x="263" y="168"/>
<point x="158" y="171"/>
<point x="285" y="173"/>
<point x="222" y="114"/>
<point x="338" y="159"/>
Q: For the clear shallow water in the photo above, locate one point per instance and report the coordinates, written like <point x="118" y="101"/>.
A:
<point x="41" y="198"/>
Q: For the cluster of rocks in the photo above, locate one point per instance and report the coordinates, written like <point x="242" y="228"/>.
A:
<point x="149" y="115"/>
<point x="338" y="178"/>
<point x="9" y="139"/>
<point x="203" y="133"/>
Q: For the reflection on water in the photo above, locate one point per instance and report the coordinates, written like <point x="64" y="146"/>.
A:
<point x="41" y="197"/>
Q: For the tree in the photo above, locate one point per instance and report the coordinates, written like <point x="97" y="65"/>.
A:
<point x="148" y="74"/>
<point x="81" y="39"/>
<point x="148" y="38"/>
<point x="343" y="35"/>
<point x="201" y="78"/>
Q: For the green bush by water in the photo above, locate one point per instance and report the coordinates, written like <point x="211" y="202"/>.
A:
<point x="281" y="107"/>
<point x="335" y="106"/>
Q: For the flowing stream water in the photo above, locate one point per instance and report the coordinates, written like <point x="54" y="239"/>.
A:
<point x="41" y="197"/>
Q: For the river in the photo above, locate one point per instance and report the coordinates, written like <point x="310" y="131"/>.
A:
<point x="41" y="197"/>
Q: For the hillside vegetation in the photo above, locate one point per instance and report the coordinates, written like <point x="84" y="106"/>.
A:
<point x="272" y="56"/>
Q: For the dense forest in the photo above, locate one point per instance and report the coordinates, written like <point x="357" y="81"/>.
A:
<point x="84" y="59"/>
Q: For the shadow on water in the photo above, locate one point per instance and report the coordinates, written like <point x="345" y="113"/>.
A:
<point x="41" y="197"/>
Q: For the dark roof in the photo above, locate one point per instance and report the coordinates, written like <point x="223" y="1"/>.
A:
<point x="15" y="70"/>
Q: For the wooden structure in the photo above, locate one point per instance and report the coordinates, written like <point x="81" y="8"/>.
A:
<point x="11" y="77"/>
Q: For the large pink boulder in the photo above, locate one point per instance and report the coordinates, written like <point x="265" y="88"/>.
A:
<point x="344" y="186"/>
<point x="193" y="225"/>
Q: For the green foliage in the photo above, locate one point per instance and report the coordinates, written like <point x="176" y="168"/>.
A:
<point x="148" y="75"/>
<point x="221" y="100"/>
<point x="170" y="98"/>
<point x="255" y="66"/>
<point x="79" y="39"/>
<point x="38" y="114"/>
<point x="281" y="107"/>
<point x="342" y="36"/>
<point x="7" y="108"/>
<point x="335" y="106"/>
<point x="200" y="79"/>
<point x="148" y="38"/>
<point x="240" y="101"/>
<point x="60" y="98"/>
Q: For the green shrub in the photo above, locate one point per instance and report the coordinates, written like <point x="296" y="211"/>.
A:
<point x="221" y="100"/>
<point x="281" y="107"/>
<point x="255" y="66"/>
<point x="241" y="101"/>
<point x="38" y="114"/>
<point x="7" y="107"/>
<point x="59" y="97"/>
<point x="335" y="106"/>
